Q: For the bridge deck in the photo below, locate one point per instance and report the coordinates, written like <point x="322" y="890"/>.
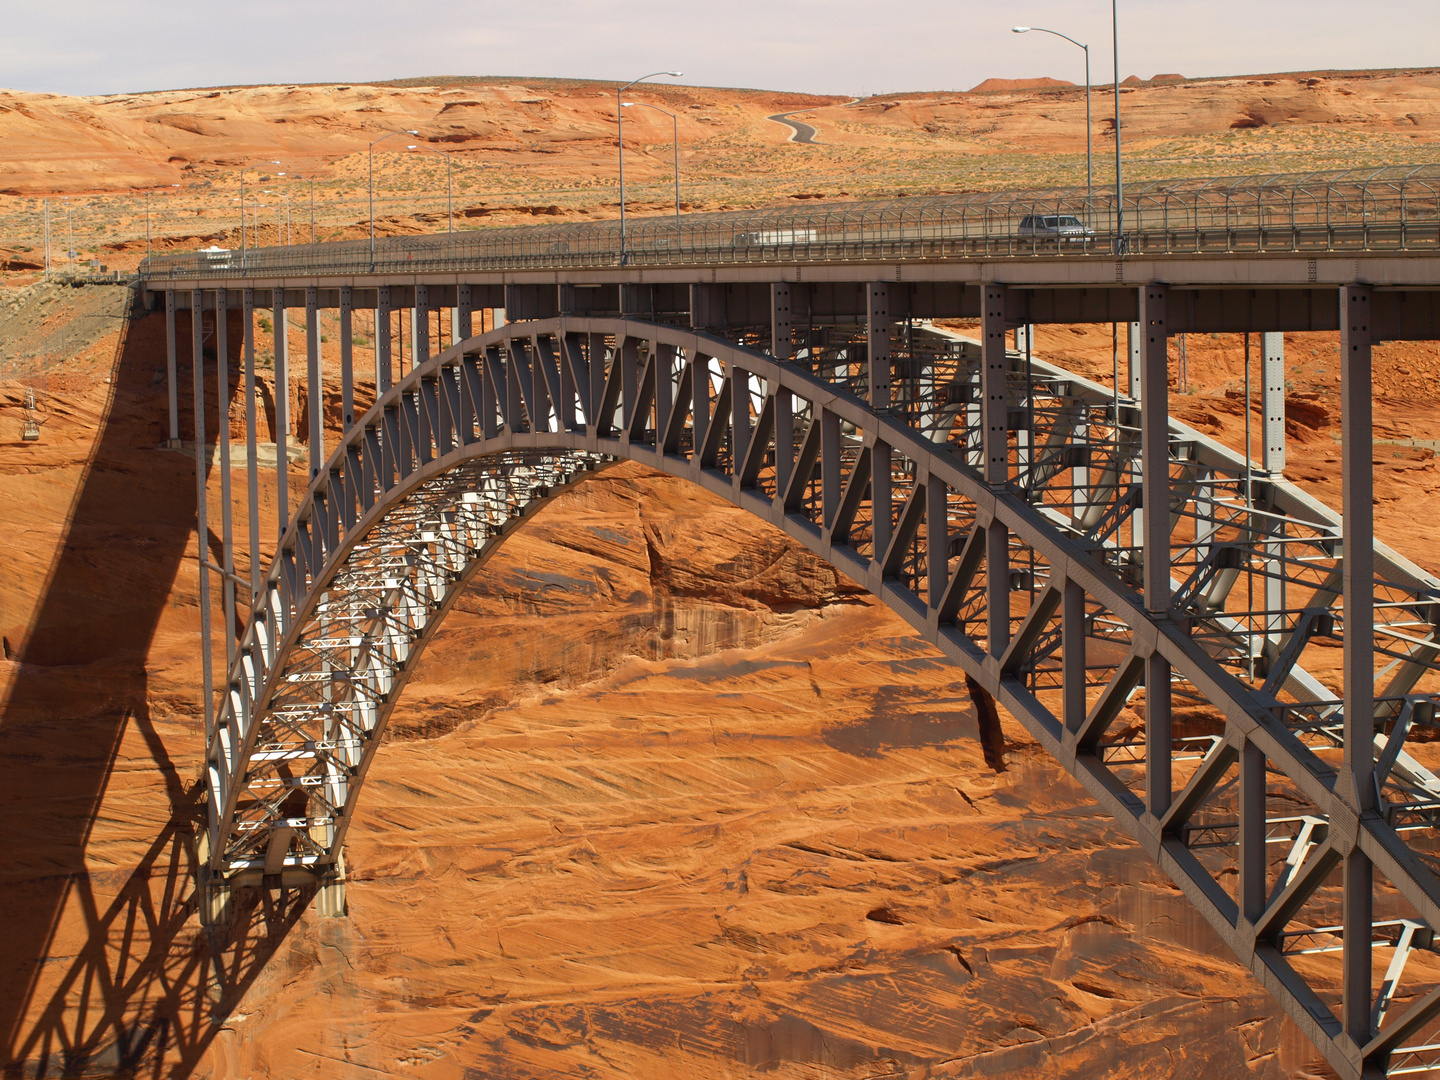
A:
<point x="1278" y="230"/>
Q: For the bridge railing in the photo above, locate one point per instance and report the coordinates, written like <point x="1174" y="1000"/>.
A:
<point x="1389" y="209"/>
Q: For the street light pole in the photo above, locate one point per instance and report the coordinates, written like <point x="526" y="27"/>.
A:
<point x="1089" y="127"/>
<point x="675" y="128"/>
<point x="387" y="135"/>
<point x="620" y="133"/>
<point x="449" y="190"/>
<point x="1120" y="245"/>
<point x="243" y="249"/>
<point x="282" y="224"/>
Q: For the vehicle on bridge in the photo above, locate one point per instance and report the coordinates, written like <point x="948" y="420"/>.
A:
<point x="215" y="257"/>
<point x="776" y="237"/>
<point x="1065" y="228"/>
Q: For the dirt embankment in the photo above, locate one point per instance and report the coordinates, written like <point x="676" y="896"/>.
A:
<point x="163" y="171"/>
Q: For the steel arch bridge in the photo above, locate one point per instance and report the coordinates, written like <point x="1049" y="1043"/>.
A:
<point x="1006" y="512"/>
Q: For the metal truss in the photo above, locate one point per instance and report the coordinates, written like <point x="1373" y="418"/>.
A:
<point x="1003" y="507"/>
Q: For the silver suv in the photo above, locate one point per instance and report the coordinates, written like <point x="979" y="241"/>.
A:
<point x="1059" y="227"/>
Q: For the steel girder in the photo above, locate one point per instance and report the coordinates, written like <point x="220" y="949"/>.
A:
<point x="998" y="508"/>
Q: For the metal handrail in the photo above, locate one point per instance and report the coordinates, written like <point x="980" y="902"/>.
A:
<point x="1396" y="208"/>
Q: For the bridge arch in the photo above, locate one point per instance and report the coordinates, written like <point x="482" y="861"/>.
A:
<point x="1027" y="602"/>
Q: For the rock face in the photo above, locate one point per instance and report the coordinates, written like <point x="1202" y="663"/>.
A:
<point x="992" y="85"/>
<point x="665" y="797"/>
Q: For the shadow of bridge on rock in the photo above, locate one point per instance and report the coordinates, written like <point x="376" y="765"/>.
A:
<point x="150" y="989"/>
<point x="107" y="970"/>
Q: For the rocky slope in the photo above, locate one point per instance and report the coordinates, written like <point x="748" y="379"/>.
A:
<point x="167" y="165"/>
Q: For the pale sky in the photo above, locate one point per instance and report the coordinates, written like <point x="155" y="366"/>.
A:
<point x="853" y="47"/>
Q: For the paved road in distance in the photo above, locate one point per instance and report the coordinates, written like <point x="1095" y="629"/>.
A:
<point x="803" y="133"/>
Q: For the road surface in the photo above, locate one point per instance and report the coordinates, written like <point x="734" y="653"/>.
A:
<point x="802" y="133"/>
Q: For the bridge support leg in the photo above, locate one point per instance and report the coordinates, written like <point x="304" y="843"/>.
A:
<point x="215" y="896"/>
<point x="315" y="382"/>
<point x="1133" y="363"/>
<point x="1272" y="400"/>
<point x="462" y="315"/>
<point x="420" y="327"/>
<point x="172" y="371"/>
<point x="636" y="301"/>
<point x="222" y="441"/>
<point x="1356" y="782"/>
<point x="1155" y="533"/>
<point x="1251" y="885"/>
<point x="202" y="525"/>
<point x="782" y="326"/>
<point x="995" y="453"/>
<point x="382" y="340"/>
<point x="330" y="896"/>
<point x="347" y="358"/>
<point x="707" y="307"/>
<point x="282" y="410"/>
<point x="252" y="468"/>
<point x="878" y="326"/>
<point x="882" y="464"/>
<point x="1073" y="648"/>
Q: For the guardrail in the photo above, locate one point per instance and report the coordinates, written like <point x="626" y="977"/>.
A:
<point x="1388" y="209"/>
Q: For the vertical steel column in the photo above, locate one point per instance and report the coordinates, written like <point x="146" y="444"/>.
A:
<point x="222" y="439"/>
<point x="202" y="524"/>
<point x="1251" y="890"/>
<point x="707" y="306"/>
<point x="461" y="315"/>
<point x="782" y="326"/>
<point x="829" y="467"/>
<point x="1155" y="532"/>
<point x="420" y="327"/>
<point x="994" y="366"/>
<point x="172" y="370"/>
<point x="882" y="462"/>
<point x="314" y="381"/>
<point x="1133" y="337"/>
<point x="282" y="410"/>
<point x="252" y="467"/>
<point x="1155" y="446"/>
<point x="877" y="344"/>
<point x="382" y="340"/>
<point x="1356" y="782"/>
<point x="1272" y="399"/>
<point x="347" y="357"/>
<point x="937" y="539"/>
<point x="1073" y="659"/>
<point x="994" y="415"/>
